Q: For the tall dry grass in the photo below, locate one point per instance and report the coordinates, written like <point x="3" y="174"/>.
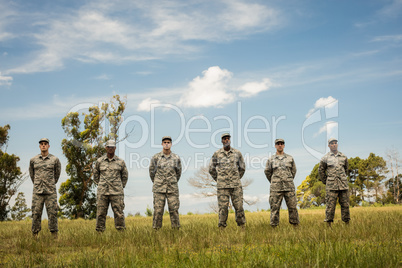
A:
<point x="373" y="239"/>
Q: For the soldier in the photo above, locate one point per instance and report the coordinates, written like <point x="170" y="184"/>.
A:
<point x="333" y="172"/>
<point x="44" y="170"/>
<point x="227" y="167"/>
<point x="110" y="175"/>
<point x="165" y="172"/>
<point x="280" y="172"/>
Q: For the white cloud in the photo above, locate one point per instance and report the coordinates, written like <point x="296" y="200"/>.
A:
<point x="214" y="88"/>
<point x="389" y="12"/>
<point x="384" y="38"/>
<point x="208" y="90"/>
<point x="120" y="31"/>
<point x="253" y="88"/>
<point x="144" y="73"/>
<point x="328" y="103"/>
<point x="330" y="127"/>
<point x="145" y="105"/>
<point x="7" y="16"/>
<point x="393" y="10"/>
<point x="5" y="80"/>
<point x="103" y="77"/>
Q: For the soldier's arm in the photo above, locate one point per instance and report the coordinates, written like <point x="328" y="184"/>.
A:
<point x="152" y="168"/>
<point x="268" y="170"/>
<point x="31" y="170"/>
<point x="242" y="165"/>
<point x="57" y="170"/>
<point x="346" y="166"/>
<point x="124" y="175"/>
<point x="293" y="168"/>
<point x="321" y="171"/>
<point x="212" y="167"/>
<point x="96" y="172"/>
<point x="178" y="169"/>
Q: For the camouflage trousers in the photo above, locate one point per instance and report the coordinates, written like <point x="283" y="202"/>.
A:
<point x="50" y="201"/>
<point x="236" y="194"/>
<point x="159" y="207"/>
<point x="117" y="204"/>
<point x="275" y="201"/>
<point x="330" y="200"/>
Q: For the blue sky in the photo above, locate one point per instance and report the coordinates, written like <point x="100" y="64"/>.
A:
<point x="299" y="70"/>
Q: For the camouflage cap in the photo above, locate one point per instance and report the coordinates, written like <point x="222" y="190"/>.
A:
<point x="166" y="138"/>
<point x="111" y="143"/>
<point x="225" y="135"/>
<point x="331" y="140"/>
<point x="279" y="140"/>
<point x="44" y="139"/>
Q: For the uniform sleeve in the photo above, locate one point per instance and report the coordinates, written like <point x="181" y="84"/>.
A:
<point x="346" y="166"/>
<point x="178" y="169"/>
<point x="152" y="168"/>
<point x="322" y="171"/>
<point x="96" y="172"/>
<point x="294" y="169"/>
<point x="124" y="175"/>
<point x="57" y="170"/>
<point x="31" y="170"/>
<point x="242" y="165"/>
<point x="268" y="170"/>
<point x="212" y="167"/>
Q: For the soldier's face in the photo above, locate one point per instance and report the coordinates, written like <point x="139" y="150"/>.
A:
<point x="279" y="146"/>
<point x="226" y="141"/>
<point x="44" y="146"/>
<point x="166" y="144"/>
<point x="110" y="150"/>
<point x="333" y="146"/>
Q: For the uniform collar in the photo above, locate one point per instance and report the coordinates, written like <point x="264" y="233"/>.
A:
<point x="43" y="158"/>
<point x="283" y="155"/>
<point x="337" y="154"/>
<point x="226" y="152"/>
<point x="165" y="156"/>
<point x="107" y="158"/>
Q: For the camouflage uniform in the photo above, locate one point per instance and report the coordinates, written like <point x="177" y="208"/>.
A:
<point x="44" y="173"/>
<point x="227" y="168"/>
<point x="111" y="176"/>
<point x="165" y="172"/>
<point x="280" y="172"/>
<point x="332" y="172"/>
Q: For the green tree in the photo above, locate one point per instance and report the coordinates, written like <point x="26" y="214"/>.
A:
<point x="84" y="144"/>
<point x="11" y="176"/>
<point x="311" y="192"/>
<point x="371" y="173"/>
<point x="20" y="210"/>
<point x="355" y="184"/>
<point x="394" y="184"/>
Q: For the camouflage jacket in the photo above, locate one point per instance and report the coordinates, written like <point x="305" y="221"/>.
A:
<point x="280" y="172"/>
<point x="227" y="168"/>
<point x="333" y="171"/>
<point x="110" y="175"/>
<point x="165" y="172"/>
<point x="44" y="173"/>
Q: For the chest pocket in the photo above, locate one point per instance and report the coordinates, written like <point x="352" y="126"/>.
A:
<point x="276" y="164"/>
<point x="103" y="168"/>
<point x="332" y="162"/>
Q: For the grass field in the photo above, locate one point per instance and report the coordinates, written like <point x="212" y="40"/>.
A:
<point x="373" y="239"/>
